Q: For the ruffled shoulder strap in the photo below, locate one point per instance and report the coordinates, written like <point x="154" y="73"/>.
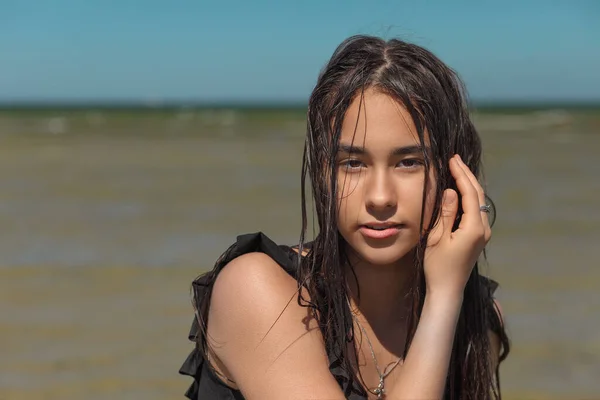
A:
<point x="205" y="381"/>
<point x="496" y="325"/>
<point x="489" y="284"/>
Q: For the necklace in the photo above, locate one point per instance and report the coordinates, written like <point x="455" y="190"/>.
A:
<point x="379" y="391"/>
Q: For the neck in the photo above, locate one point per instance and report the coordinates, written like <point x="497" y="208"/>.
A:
<point x="383" y="291"/>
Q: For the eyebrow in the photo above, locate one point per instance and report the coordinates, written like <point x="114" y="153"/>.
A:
<point x="398" y="151"/>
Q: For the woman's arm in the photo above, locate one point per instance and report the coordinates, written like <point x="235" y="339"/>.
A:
<point x="423" y="373"/>
<point x="270" y="345"/>
<point x="449" y="259"/>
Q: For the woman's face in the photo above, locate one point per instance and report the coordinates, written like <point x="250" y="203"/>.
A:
<point x="381" y="176"/>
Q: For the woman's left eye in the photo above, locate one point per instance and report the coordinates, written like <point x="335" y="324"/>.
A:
<point x="410" y="163"/>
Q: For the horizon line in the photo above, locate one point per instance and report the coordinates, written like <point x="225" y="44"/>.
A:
<point x="158" y="104"/>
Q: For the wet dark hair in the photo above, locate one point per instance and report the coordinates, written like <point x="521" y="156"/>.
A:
<point x="434" y="96"/>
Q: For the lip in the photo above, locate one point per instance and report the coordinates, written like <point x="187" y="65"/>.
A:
<point x="385" y="230"/>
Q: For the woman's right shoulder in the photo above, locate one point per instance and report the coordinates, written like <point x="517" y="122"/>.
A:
<point x="253" y="269"/>
<point x="260" y="333"/>
<point x="253" y="276"/>
<point x="252" y="283"/>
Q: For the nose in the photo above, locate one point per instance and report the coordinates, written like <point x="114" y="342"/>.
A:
<point x="380" y="194"/>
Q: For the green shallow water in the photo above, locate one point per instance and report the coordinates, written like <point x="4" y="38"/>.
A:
<point x="105" y="220"/>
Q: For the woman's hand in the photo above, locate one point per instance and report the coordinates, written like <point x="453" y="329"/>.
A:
<point x="451" y="256"/>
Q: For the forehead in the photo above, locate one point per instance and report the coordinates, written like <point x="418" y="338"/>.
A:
<point x="378" y="121"/>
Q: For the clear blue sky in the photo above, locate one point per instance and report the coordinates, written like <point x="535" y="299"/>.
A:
<point x="273" y="50"/>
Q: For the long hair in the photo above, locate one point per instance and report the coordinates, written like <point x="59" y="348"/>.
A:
<point x="434" y="96"/>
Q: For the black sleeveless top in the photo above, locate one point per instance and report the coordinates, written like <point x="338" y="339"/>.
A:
<point x="207" y="385"/>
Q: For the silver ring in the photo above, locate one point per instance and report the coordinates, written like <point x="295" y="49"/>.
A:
<point x="486" y="208"/>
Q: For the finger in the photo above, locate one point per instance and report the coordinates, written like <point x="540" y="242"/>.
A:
<point x="443" y="227"/>
<point x="478" y="188"/>
<point x="482" y="200"/>
<point x="449" y="209"/>
<point x="470" y="201"/>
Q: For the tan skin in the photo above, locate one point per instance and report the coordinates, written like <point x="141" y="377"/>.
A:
<point x="379" y="184"/>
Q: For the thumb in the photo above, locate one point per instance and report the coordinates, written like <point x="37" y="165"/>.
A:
<point x="449" y="209"/>
<point x="445" y="219"/>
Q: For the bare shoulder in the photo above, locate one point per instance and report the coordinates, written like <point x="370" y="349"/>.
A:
<point x="248" y="281"/>
<point x="269" y="344"/>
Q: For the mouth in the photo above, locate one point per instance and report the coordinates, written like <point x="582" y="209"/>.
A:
<point x="380" y="230"/>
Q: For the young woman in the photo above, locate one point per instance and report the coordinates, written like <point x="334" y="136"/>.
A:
<point x="387" y="301"/>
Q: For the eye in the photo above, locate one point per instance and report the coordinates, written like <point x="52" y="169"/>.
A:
<point x="410" y="163"/>
<point x="351" y="164"/>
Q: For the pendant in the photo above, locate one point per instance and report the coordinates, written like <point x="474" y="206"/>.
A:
<point x="379" y="390"/>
